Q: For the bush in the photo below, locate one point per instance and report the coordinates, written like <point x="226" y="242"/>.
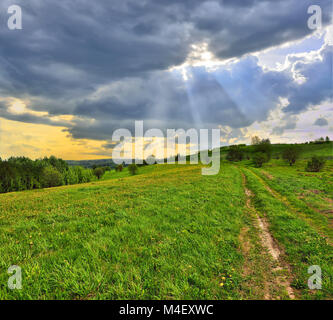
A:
<point x="98" y="172"/>
<point x="133" y="169"/>
<point x="259" y="158"/>
<point x="119" y="168"/>
<point x="235" y="153"/>
<point x="264" y="146"/>
<point x="315" y="164"/>
<point x="290" y="154"/>
<point x="51" y="177"/>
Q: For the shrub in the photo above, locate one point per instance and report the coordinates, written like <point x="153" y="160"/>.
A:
<point x="320" y="140"/>
<point x="264" y="146"/>
<point x="119" y="168"/>
<point x="98" y="172"/>
<point x="133" y="169"/>
<point x="259" y="158"/>
<point x="315" y="164"/>
<point x="235" y="153"/>
<point x="290" y="154"/>
<point x="51" y="177"/>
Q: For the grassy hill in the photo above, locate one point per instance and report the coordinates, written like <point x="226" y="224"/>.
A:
<point x="171" y="233"/>
<point x="306" y="150"/>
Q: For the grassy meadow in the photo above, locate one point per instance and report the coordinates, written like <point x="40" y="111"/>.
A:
<point x="171" y="233"/>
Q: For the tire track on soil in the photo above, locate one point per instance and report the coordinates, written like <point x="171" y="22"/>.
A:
<point x="286" y="202"/>
<point x="272" y="247"/>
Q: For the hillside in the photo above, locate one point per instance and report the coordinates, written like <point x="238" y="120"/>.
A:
<point x="171" y="233"/>
<point x="307" y="150"/>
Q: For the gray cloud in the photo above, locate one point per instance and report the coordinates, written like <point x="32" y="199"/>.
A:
<point x="321" y="122"/>
<point x="105" y="63"/>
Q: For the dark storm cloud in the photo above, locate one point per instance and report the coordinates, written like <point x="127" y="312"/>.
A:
<point x="30" y="118"/>
<point x="321" y="122"/>
<point x="318" y="85"/>
<point x="233" y="29"/>
<point x="104" y="62"/>
<point x="236" y="96"/>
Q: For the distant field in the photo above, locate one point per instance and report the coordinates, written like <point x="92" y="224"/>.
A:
<point x="171" y="233"/>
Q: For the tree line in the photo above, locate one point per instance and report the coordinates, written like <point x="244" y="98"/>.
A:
<point x="22" y="173"/>
<point x="261" y="152"/>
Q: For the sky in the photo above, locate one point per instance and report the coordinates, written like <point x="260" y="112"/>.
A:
<point x="80" y="69"/>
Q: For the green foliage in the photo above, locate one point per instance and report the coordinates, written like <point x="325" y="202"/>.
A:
<point x="51" y="177"/>
<point x="320" y="140"/>
<point x="264" y="146"/>
<point x="235" y="153"/>
<point x="291" y="154"/>
<point x="119" y="168"/>
<point x="315" y="164"/>
<point x="259" y="159"/>
<point x="133" y="169"/>
<point x="21" y="173"/>
<point x="98" y="172"/>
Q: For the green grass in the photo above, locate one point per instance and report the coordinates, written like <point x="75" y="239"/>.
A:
<point x="301" y="242"/>
<point x="169" y="233"/>
<point x="310" y="194"/>
<point x="306" y="150"/>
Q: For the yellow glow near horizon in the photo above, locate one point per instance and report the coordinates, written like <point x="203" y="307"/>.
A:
<point x="38" y="140"/>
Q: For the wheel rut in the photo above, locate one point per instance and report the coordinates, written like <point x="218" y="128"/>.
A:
<point x="283" y="199"/>
<point x="279" y="267"/>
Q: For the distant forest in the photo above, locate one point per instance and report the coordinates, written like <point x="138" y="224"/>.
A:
<point x="92" y="163"/>
<point x="21" y="173"/>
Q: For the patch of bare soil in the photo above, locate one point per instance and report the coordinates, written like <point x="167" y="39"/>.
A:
<point x="315" y="191"/>
<point x="328" y="200"/>
<point x="267" y="175"/>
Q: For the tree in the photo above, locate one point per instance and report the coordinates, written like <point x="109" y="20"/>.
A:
<point x="315" y="164"/>
<point x="320" y="140"/>
<point x="119" y="168"/>
<point x="259" y="159"/>
<point x="255" y="140"/>
<point x="133" y="169"/>
<point x="235" y="153"/>
<point x="264" y="146"/>
<point x="22" y="173"/>
<point x="290" y="154"/>
<point x="98" y="172"/>
<point x="327" y="139"/>
<point x="51" y="177"/>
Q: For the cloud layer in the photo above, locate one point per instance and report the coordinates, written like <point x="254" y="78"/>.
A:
<point x="105" y="64"/>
